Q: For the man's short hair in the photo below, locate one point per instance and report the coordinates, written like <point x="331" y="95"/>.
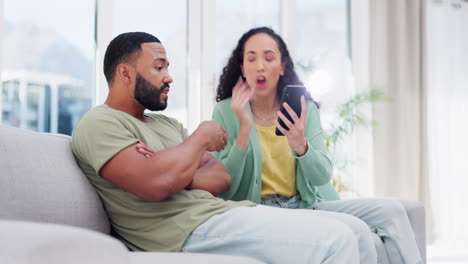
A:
<point x="122" y="49"/>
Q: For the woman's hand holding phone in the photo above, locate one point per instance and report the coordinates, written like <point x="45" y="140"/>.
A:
<point x="296" y="133"/>
<point x="241" y="95"/>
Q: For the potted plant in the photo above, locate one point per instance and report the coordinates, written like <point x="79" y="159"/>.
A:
<point x="349" y="117"/>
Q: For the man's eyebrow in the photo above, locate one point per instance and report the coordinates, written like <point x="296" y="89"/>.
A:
<point x="163" y="60"/>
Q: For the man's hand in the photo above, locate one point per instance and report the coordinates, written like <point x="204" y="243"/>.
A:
<point x="143" y="149"/>
<point x="212" y="135"/>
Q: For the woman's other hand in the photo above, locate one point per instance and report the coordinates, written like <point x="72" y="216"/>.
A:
<point x="241" y="95"/>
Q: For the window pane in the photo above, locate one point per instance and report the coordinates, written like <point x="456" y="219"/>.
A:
<point x="44" y="53"/>
<point x="324" y="65"/>
<point x="322" y="47"/>
<point x="234" y="18"/>
<point x="166" y="20"/>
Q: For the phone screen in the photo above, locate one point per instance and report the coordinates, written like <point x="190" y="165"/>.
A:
<point x="291" y="95"/>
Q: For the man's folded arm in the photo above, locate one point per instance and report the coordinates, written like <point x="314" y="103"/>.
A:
<point x="211" y="176"/>
<point x="156" y="178"/>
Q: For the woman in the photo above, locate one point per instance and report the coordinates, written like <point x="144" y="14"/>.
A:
<point x="285" y="171"/>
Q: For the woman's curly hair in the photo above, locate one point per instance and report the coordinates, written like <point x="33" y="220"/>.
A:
<point x="232" y="70"/>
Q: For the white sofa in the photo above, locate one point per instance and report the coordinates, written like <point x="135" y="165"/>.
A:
<point x="50" y="213"/>
<point x="40" y="183"/>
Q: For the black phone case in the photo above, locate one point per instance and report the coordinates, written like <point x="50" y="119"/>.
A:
<point x="291" y="95"/>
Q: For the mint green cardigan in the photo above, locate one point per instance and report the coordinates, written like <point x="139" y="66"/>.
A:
<point x="314" y="168"/>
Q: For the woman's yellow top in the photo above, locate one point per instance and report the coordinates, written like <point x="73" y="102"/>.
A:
<point x="278" y="164"/>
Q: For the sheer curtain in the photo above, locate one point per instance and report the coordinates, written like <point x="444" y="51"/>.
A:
<point x="395" y="68"/>
<point x="419" y="57"/>
<point x="447" y="116"/>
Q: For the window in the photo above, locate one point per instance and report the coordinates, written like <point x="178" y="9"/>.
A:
<point x="234" y="18"/>
<point x="324" y="66"/>
<point x="166" y="20"/>
<point x="48" y="56"/>
<point x="47" y="63"/>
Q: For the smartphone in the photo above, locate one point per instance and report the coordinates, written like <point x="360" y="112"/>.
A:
<point x="291" y="95"/>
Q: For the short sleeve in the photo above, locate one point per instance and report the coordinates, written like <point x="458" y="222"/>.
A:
<point x="184" y="132"/>
<point x="98" y="138"/>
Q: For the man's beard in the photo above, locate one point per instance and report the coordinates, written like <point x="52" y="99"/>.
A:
<point x="149" y="95"/>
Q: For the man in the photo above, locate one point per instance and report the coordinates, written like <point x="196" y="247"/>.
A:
<point x="165" y="200"/>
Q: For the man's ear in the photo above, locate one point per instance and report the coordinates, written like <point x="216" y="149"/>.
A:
<point x="124" y="72"/>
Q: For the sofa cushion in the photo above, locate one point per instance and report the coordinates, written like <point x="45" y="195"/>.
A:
<point x="40" y="181"/>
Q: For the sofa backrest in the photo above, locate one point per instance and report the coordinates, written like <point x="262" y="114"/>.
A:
<point x="40" y="181"/>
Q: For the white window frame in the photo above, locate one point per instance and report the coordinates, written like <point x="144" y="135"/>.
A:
<point x="363" y="181"/>
<point x="194" y="73"/>
<point x="288" y="23"/>
<point x="103" y="37"/>
<point x="1" y="69"/>
<point x="207" y="59"/>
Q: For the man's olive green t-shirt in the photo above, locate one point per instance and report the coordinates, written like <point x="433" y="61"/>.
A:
<point x="149" y="226"/>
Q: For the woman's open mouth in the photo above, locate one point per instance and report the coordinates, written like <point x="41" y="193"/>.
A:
<point x="261" y="82"/>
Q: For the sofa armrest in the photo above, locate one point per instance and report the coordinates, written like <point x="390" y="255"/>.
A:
<point x="416" y="214"/>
